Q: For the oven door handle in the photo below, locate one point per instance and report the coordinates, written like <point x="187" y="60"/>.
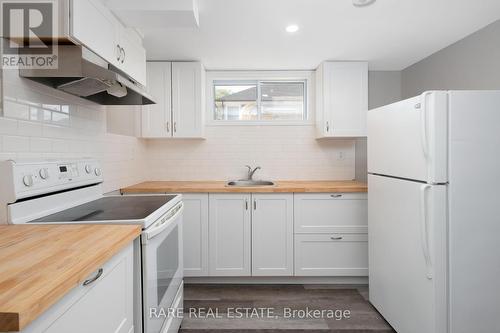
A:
<point x="162" y="224"/>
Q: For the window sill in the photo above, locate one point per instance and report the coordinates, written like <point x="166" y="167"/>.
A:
<point x="260" y="123"/>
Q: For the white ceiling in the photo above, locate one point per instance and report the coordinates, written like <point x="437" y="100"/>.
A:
<point x="250" y="34"/>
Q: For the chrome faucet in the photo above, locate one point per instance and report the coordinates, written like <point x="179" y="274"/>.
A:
<point x="251" y="171"/>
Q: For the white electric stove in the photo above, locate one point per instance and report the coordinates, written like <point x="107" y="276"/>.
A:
<point x="70" y="191"/>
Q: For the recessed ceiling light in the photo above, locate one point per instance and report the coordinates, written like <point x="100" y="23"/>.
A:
<point x="292" y="28"/>
<point x="362" y="3"/>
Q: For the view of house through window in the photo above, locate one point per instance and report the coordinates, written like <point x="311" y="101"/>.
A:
<point x="260" y="100"/>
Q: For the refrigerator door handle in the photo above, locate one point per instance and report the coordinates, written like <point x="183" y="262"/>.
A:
<point x="423" y="123"/>
<point x="424" y="229"/>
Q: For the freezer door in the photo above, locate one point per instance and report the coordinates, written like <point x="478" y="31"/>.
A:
<point x="408" y="139"/>
<point x="407" y="253"/>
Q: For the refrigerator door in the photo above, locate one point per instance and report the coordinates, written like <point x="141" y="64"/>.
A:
<point x="407" y="253"/>
<point x="409" y="139"/>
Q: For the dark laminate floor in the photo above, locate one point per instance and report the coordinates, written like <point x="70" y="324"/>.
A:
<point x="222" y="300"/>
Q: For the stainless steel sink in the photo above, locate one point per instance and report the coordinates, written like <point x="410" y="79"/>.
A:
<point x="247" y="183"/>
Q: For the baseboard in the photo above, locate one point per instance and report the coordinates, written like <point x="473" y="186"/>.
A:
<point x="355" y="280"/>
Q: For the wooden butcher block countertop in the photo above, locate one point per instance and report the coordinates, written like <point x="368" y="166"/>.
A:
<point x="39" y="264"/>
<point x="301" y="186"/>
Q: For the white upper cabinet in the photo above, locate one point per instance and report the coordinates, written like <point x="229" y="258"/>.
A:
<point x="94" y="26"/>
<point x="178" y="89"/>
<point x="341" y="99"/>
<point x="157" y="118"/>
<point x="188" y="85"/>
<point x="272" y="234"/>
<point x="133" y="55"/>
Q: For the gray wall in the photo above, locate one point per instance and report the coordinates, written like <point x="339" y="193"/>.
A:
<point x="384" y="87"/>
<point x="471" y="63"/>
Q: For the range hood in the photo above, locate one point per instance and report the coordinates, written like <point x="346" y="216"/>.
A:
<point x="82" y="73"/>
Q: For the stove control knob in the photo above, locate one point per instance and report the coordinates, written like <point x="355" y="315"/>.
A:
<point x="28" y="180"/>
<point x="44" y="173"/>
<point x="97" y="172"/>
<point x="88" y="169"/>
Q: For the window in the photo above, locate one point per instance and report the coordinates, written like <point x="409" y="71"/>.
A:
<point x="259" y="100"/>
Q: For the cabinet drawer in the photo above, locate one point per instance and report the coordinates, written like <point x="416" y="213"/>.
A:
<point x="105" y="305"/>
<point x="331" y="213"/>
<point x="331" y="255"/>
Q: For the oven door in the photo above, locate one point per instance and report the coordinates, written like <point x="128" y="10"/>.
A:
<point x="162" y="269"/>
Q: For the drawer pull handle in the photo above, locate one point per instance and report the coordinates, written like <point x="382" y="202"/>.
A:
<point x="336" y="238"/>
<point x="336" y="195"/>
<point x="91" y="280"/>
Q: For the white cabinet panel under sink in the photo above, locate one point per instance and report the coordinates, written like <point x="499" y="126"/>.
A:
<point x="272" y="234"/>
<point x="230" y="234"/>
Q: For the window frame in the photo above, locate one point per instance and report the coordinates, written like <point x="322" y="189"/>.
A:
<point x="267" y="76"/>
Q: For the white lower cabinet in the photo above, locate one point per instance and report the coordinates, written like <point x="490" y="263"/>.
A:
<point x="195" y="233"/>
<point x="102" y="306"/>
<point x="275" y="234"/>
<point x="272" y="234"/>
<point x="229" y="234"/>
<point x="331" y="234"/>
<point x="331" y="212"/>
<point x="331" y="254"/>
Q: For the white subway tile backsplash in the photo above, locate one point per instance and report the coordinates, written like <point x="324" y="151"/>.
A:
<point x="29" y="128"/>
<point x="39" y="122"/>
<point x="283" y="152"/>
<point x="16" y="110"/>
<point x="40" y="145"/>
<point x="8" y="126"/>
<point x="15" y="144"/>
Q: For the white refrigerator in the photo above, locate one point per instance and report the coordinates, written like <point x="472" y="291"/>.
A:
<point x="434" y="212"/>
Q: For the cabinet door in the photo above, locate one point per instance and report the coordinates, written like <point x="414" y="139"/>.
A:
<point x="107" y="306"/>
<point x="272" y="234"/>
<point x="93" y="25"/>
<point x="331" y="255"/>
<point x="195" y="233"/>
<point x="230" y="232"/>
<point x="331" y="212"/>
<point x="188" y="99"/>
<point x="344" y="94"/>
<point x="157" y="118"/>
<point x="133" y="58"/>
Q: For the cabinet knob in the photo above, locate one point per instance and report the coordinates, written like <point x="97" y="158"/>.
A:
<point x="123" y="54"/>
<point x="168" y="126"/>
<point x="336" y="195"/>
<point x="175" y="126"/>
<point x="327" y="126"/>
<point x="336" y="238"/>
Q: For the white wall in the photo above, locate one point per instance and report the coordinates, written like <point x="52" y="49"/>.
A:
<point x="471" y="63"/>
<point x="31" y="128"/>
